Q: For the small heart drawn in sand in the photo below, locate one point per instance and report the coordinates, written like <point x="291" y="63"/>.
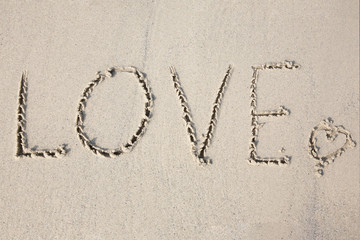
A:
<point x="332" y="132"/>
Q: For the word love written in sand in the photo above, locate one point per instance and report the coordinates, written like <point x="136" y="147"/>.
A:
<point x="198" y="150"/>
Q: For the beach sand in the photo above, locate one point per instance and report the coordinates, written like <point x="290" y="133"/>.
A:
<point x="159" y="190"/>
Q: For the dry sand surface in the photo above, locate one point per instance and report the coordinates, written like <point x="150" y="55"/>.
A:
<point x="164" y="188"/>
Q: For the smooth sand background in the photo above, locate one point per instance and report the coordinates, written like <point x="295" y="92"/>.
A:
<point x="158" y="191"/>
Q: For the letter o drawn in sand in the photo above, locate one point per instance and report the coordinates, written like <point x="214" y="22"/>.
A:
<point x="127" y="147"/>
<point x="332" y="132"/>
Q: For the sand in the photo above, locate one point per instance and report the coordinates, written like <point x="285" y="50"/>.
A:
<point x="198" y="151"/>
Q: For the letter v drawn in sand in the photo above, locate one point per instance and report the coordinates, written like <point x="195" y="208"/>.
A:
<point x="22" y="149"/>
<point x="199" y="154"/>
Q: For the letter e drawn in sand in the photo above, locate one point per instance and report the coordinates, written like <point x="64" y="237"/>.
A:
<point x="22" y="149"/>
<point x="199" y="154"/>
<point x="332" y="133"/>
<point x="127" y="147"/>
<point x="282" y="111"/>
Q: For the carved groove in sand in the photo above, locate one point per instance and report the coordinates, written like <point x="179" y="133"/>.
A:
<point x="332" y="132"/>
<point x="199" y="154"/>
<point x="22" y="149"/>
<point x="282" y="111"/>
<point x="127" y="147"/>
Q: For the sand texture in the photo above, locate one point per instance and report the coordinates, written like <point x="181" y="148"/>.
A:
<point x="179" y="120"/>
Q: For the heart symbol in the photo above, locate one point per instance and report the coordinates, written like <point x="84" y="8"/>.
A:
<point x="332" y="133"/>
